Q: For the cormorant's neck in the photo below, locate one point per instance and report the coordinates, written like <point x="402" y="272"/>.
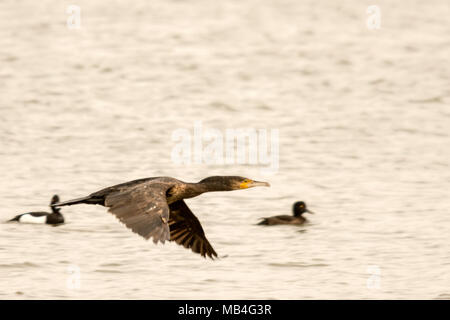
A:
<point x="210" y="186"/>
<point x="55" y="210"/>
<point x="191" y="190"/>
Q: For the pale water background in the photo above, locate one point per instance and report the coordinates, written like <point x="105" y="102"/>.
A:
<point x="364" y="124"/>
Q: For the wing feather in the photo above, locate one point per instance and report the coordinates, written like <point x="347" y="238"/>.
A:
<point x="186" y="230"/>
<point x="143" y="209"/>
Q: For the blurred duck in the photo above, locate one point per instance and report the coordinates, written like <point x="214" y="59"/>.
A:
<point x="299" y="208"/>
<point x="53" y="218"/>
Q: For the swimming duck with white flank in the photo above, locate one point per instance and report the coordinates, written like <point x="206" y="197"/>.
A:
<point x="299" y="208"/>
<point x="53" y="218"/>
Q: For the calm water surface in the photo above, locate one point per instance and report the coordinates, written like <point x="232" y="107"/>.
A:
<point x="364" y="122"/>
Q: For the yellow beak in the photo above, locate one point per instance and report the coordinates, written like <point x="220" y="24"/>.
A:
<point x="251" y="184"/>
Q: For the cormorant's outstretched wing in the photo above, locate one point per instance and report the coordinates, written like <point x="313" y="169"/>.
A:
<point x="143" y="209"/>
<point x="186" y="230"/>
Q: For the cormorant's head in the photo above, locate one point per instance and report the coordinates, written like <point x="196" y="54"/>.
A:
<point x="228" y="183"/>
<point x="55" y="199"/>
<point x="300" y="208"/>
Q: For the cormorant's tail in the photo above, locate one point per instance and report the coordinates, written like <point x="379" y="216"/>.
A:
<point x="16" y="218"/>
<point x="264" y="222"/>
<point x="72" y="202"/>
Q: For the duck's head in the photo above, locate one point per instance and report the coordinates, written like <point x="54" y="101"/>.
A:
<point x="229" y="183"/>
<point x="300" y="208"/>
<point x="55" y="199"/>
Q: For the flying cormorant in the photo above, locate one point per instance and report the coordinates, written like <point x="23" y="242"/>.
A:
<point x="53" y="218"/>
<point x="298" y="209"/>
<point x="154" y="207"/>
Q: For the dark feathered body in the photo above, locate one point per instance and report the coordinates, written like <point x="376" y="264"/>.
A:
<point x="176" y="190"/>
<point x="296" y="219"/>
<point x="283" y="219"/>
<point x="154" y="207"/>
